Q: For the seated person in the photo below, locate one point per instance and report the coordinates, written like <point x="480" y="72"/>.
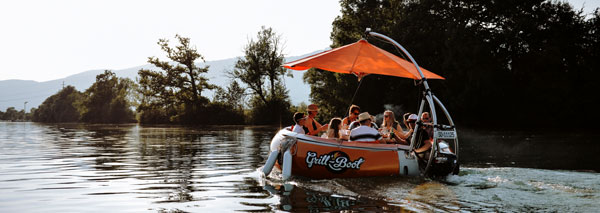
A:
<point x="364" y="132"/>
<point x="299" y="119"/>
<point x="425" y="118"/>
<point x="334" y="130"/>
<point x="374" y="123"/>
<point x="427" y="123"/>
<point x="405" y="119"/>
<point x="312" y="127"/>
<point x="352" y="116"/>
<point x="411" y="122"/>
<point x="423" y="140"/>
<point x="355" y="124"/>
<point x="390" y="128"/>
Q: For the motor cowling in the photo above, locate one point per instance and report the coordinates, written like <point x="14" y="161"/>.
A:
<point x="444" y="161"/>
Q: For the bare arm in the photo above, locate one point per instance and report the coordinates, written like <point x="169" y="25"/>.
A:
<point x="320" y="127"/>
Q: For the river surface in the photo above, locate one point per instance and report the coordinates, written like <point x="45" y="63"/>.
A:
<point x="132" y="168"/>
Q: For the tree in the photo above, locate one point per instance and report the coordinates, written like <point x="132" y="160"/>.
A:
<point x="64" y="106"/>
<point x="500" y="59"/>
<point x="107" y="100"/>
<point x="175" y="92"/>
<point x="11" y="114"/>
<point x="260" y="70"/>
<point x="233" y="96"/>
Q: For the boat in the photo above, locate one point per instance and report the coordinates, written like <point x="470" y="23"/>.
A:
<point x="315" y="157"/>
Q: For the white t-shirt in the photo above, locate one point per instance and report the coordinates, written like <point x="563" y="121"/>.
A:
<point x="298" y="129"/>
<point x="364" y="133"/>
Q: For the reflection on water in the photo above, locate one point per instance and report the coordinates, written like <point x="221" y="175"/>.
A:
<point x="83" y="168"/>
<point x="130" y="168"/>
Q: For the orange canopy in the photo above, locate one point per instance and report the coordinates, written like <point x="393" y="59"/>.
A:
<point x="361" y="58"/>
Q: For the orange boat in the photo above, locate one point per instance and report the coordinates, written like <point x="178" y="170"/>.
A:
<point x="315" y="157"/>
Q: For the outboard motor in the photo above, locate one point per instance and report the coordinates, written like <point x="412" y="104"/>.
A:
<point x="444" y="161"/>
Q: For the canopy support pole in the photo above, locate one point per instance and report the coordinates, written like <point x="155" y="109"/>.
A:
<point x="428" y="98"/>
<point x="352" y="100"/>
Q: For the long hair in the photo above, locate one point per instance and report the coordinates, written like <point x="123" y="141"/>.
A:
<point x="392" y="120"/>
<point x="334" y="125"/>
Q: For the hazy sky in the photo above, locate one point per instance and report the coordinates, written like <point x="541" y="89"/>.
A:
<point x="44" y="40"/>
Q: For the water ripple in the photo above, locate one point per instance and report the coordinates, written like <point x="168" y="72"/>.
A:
<point x="131" y="168"/>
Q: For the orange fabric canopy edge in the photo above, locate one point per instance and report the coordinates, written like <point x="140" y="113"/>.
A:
<point x="361" y="58"/>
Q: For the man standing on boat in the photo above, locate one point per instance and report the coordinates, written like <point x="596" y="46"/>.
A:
<point x="311" y="126"/>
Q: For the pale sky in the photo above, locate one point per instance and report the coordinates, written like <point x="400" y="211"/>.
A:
<point x="44" y="40"/>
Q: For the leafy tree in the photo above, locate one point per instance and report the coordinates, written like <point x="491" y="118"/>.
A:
<point x="60" y="107"/>
<point x="233" y="96"/>
<point x="500" y="58"/>
<point x="29" y="116"/>
<point x="21" y="115"/>
<point x="11" y="114"/>
<point x="175" y="92"/>
<point x="107" y="100"/>
<point x="260" y="70"/>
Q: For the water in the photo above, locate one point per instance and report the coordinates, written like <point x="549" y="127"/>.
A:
<point x="103" y="168"/>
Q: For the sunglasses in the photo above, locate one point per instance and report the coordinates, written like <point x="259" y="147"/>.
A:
<point x="386" y="116"/>
<point x="355" y="113"/>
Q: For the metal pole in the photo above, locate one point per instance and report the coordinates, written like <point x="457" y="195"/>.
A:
<point x="427" y="94"/>
<point x="405" y="52"/>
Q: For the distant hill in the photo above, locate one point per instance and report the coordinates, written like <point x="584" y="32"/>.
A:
<point x="13" y="93"/>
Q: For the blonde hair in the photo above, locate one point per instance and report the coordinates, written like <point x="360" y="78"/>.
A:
<point x="391" y="121"/>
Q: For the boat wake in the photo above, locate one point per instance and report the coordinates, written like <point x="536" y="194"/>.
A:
<point x="474" y="189"/>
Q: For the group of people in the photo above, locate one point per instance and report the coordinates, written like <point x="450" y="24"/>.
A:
<point x="359" y="126"/>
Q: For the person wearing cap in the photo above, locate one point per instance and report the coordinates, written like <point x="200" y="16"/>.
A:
<point x="424" y="141"/>
<point x="410" y="121"/>
<point x="299" y="119"/>
<point x="312" y="127"/>
<point x="364" y="132"/>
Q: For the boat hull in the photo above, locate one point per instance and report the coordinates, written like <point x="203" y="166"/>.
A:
<point x="316" y="157"/>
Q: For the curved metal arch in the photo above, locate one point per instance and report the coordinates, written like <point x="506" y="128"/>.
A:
<point x="428" y="98"/>
<point x="450" y="121"/>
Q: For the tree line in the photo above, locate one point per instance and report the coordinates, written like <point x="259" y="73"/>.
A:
<point x="506" y="63"/>
<point x="13" y="114"/>
<point x="172" y="92"/>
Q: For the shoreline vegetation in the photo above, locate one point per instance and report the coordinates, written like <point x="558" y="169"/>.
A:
<point x="531" y="61"/>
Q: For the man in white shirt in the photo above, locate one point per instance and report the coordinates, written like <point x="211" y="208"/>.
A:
<point x="299" y="119"/>
<point x="364" y="132"/>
